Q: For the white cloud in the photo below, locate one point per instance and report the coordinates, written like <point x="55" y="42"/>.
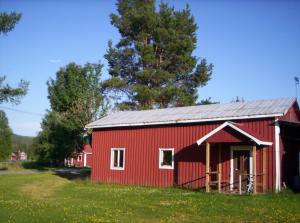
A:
<point x="54" y="60"/>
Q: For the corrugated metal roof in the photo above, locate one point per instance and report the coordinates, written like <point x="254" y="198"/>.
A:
<point x="200" y="113"/>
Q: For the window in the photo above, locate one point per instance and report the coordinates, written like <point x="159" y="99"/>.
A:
<point x="79" y="158"/>
<point x="166" y="158"/>
<point x="117" y="160"/>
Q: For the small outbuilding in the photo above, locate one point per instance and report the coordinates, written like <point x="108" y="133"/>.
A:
<point x="81" y="159"/>
<point x="229" y="147"/>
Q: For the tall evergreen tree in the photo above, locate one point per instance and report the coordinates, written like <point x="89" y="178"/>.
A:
<point x="8" y="93"/>
<point x="152" y="65"/>
<point x="5" y="137"/>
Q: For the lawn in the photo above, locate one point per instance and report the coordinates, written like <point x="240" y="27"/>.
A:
<point x="46" y="197"/>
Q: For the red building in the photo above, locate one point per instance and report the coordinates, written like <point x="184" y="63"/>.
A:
<point x="225" y="147"/>
<point x="82" y="159"/>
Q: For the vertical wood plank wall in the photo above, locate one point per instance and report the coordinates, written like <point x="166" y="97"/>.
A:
<point x="142" y="154"/>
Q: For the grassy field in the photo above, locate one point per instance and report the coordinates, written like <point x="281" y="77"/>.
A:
<point x="50" y="198"/>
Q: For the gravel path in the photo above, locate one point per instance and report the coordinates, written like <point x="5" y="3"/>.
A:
<point x="16" y="172"/>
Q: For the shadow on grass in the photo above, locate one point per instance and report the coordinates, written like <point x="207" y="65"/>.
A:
<point x="23" y="165"/>
<point x="34" y="165"/>
<point x="74" y="173"/>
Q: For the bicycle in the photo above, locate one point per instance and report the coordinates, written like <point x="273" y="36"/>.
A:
<point x="250" y="185"/>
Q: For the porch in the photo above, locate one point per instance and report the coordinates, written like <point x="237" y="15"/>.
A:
<point x="235" y="160"/>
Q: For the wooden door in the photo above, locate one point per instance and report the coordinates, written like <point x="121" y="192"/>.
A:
<point x="241" y="165"/>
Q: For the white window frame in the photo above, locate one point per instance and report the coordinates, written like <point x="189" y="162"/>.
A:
<point x="161" y="150"/>
<point x="112" y="167"/>
<point x="79" y="158"/>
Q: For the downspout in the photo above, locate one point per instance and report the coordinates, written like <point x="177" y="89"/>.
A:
<point x="277" y="156"/>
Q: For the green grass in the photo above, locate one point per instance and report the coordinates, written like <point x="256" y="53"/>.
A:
<point x="22" y="165"/>
<point x="50" y="198"/>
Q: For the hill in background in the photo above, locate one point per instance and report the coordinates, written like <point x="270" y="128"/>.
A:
<point x="22" y="143"/>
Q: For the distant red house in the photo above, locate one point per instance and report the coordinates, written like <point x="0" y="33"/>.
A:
<point x="18" y="155"/>
<point x="225" y="147"/>
<point x="82" y="159"/>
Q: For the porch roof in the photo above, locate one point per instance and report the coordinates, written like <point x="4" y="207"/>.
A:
<point x="237" y="127"/>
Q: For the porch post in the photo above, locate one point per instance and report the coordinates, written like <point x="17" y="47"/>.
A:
<point x="207" y="175"/>
<point x="219" y="169"/>
<point x="254" y="168"/>
<point x="264" y="164"/>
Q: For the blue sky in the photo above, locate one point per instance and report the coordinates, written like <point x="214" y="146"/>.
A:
<point x="254" y="46"/>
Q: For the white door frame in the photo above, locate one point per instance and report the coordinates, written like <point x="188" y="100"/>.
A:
<point x="239" y="148"/>
<point x="84" y="159"/>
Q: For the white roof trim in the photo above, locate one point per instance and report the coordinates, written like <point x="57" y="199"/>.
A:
<point x="225" y="124"/>
<point x="90" y="126"/>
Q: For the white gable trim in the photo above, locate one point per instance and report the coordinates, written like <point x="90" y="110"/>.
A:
<point x="229" y="124"/>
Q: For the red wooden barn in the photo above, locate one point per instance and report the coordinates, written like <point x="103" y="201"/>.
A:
<point x="225" y="147"/>
<point x="82" y="159"/>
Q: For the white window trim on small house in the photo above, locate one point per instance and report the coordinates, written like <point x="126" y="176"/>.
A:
<point x="79" y="158"/>
<point x="112" y="167"/>
<point x="161" y="150"/>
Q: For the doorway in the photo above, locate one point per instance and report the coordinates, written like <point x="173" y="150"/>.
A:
<point x="240" y="164"/>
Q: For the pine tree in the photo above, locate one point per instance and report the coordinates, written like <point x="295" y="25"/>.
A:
<point x="152" y="65"/>
<point x="8" y="93"/>
<point x="8" y="21"/>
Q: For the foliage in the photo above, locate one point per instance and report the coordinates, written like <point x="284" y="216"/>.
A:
<point x="50" y="198"/>
<point x="152" y="65"/>
<point x="207" y="101"/>
<point x="76" y="99"/>
<point x="12" y="95"/>
<point x="76" y="93"/>
<point x="56" y="140"/>
<point x="7" y="93"/>
<point x="5" y="137"/>
<point x="8" y="21"/>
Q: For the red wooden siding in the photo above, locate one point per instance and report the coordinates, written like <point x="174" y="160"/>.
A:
<point x="89" y="159"/>
<point x="289" y="145"/>
<point x="142" y="153"/>
<point x="76" y="162"/>
<point x="293" y="114"/>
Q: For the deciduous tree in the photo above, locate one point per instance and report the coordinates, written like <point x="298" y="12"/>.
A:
<point x="75" y="99"/>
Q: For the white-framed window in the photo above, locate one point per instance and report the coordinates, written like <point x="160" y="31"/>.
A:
<point x="166" y="158"/>
<point x="79" y="158"/>
<point x="117" y="159"/>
